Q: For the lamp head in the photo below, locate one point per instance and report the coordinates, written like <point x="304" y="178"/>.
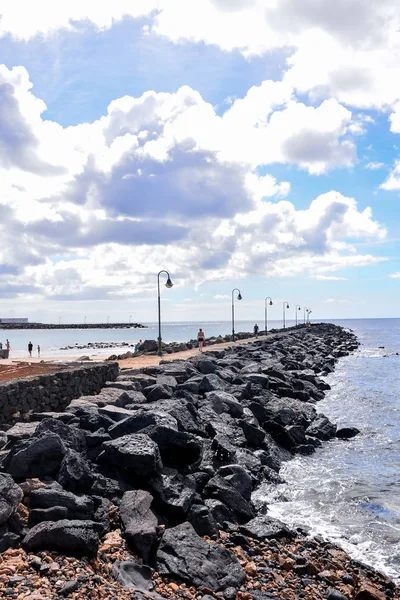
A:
<point x="239" y="296"/>
<point x="287" y="305"/>
<point x="169" y="283"/>
<point x="299" y="308"/>
<point x="270" y="302"/>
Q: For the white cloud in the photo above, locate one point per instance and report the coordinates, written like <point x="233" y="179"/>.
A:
<point x="162" y="180"/>
<point x="374" y="166"/>
<point x="395" y="275"/>
<point x="392" y="183"/>
<point x="221" y="297"/>
<point x="328" y="278"/>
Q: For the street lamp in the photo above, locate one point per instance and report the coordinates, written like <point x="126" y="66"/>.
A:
<point x="130" y="319"/>
<point x="108" y="320"/>
<point x="305" y="310"/>
<point x="285" y="305"/>
<point x="59" y="320"/>
<point x="308" y="314"/>
<point x="168" y="284"/>
<point x="266" y="312"/>
<point x="297" y="308"/>
<point x="239" y="297"/>
<point x="85" y="321"/>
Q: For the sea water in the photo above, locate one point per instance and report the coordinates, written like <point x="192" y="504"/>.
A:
<point x="349" y="491"/>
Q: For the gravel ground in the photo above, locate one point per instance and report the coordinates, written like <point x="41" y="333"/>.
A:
<point x="300" y="568"/>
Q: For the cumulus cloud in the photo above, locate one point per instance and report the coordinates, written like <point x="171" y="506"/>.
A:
<point x="328" y="278"/>
<point x="395" y="275"/>
<point x="162" y="180"/>
<point x="392" y="182"/>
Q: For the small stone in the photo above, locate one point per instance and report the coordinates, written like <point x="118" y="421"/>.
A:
<point x="69" y="587"/>
<point x="250" y="569"/>
<point x="369" y="592"/>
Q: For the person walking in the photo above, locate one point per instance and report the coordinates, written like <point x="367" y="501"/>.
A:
<point x="30" y="348"/>
<point x="8" y="347"/>
<point x="200" y="339"/>
<point x="256" y="330"/>
<point x="38" y="351"/>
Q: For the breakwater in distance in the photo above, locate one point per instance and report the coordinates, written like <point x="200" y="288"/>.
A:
<point x="72" y="326"/>
<point x="171" y="457"/>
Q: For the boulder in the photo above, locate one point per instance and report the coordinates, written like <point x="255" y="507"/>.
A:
<point x="72" y="437"/>
<point x="174" y="493"/>
<point x="55" y="513"/>
<point x="239" y="478"/>
<point x="75" y="473"/>
<point x="212" y="382"/>
<point x="135" y="451"/>
<point x="322" y="428"/>
<point x="184" y="554"/>
<point x="10" y="496"/>
<point x="220" y="489"/>
<point x="132" y="575"/>
<point x="3" y="439"/>
<point x="156" y="392"/>
<point x="8" y="538"/>
<point x="71" y="538"/>
<point x="346" y="433"/>
<point x="141" y="419"/>
<point x="148" y="346"/>
<point x="79" y="507"/>
<point x="222" y="402"/>
<point x="177" y="448"/>
<point x="36" y="457"/>
<point x="266" y="528"/>
<point x="200" y="516"/>
<point x="21" y="431"/>
<point x="139" y="523"/>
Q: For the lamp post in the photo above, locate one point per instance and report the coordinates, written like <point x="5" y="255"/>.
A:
<point x="130" y="319"/>
<point x="305" y="310"/>
<point x="285" y="305"/>
<point x="168" y="284"/>
<point x="308" y="314"/>
<point x="266" y="312"/>
<point x="59" y="320"/>
<point x="108" y="320"/>
<point x="239" y="297"/>
<point x="84" y="321"/>
<point x="297" y="308"/>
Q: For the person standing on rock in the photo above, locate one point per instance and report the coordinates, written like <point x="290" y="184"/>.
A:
<point x="38" y="351"/>
<point x="256" y="330"/>
<point x="30" y="348"/>
<point x="200" y="339"/>
<point x="8" y="347"/>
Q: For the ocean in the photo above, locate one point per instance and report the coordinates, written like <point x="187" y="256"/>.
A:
<point x="348" y="491"/>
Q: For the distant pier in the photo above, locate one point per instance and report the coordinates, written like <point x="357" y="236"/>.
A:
<point x="72" y="326"/>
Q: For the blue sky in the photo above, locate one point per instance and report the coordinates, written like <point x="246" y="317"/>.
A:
<point x="209" y="139"/>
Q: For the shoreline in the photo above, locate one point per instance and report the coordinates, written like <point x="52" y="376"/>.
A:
<point x="223" y="422"/>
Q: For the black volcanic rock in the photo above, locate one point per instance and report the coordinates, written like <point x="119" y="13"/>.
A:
<point x="182" y="553"/>
<point x="73" y="538"/>
<point x="136" y="452"/>
<point x="139" y="523"/>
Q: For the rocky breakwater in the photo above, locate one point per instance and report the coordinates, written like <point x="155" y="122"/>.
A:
<point x="168" y="457"/>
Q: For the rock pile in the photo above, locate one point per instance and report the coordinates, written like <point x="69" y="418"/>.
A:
<point x="171" y="455"/>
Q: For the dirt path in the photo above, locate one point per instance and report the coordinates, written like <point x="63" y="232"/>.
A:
<point x="148" y="361"/>
<point x="138" y="362"/>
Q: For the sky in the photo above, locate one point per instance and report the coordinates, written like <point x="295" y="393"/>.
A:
<point x="249" y="144"/>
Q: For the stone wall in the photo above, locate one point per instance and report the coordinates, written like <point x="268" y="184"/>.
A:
<point x="52" y="391"/>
